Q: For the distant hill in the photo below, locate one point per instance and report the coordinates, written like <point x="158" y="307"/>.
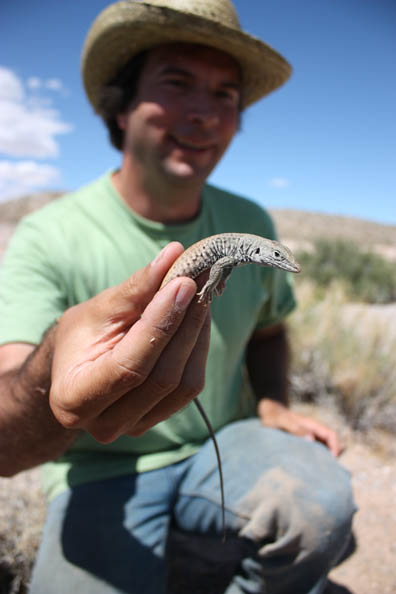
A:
<point x="13" y="210"/>
<point x="297" y="228"/>
<point x="302" y="225"/>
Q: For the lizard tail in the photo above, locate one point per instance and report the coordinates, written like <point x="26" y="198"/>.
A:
<point x="213" y="437"/>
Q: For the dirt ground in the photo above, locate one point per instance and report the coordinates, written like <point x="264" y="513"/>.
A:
<point x="371" y="568"/>
<point x="371" y="459"/>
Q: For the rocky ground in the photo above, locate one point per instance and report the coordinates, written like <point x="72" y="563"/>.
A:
<point x="370" y="569"/>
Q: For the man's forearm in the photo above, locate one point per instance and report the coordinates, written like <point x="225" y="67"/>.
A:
<point x="29" y="432"/>
<point x="268" y="363"/>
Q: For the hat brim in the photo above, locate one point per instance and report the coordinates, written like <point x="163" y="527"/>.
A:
<point x="125" y="29"/>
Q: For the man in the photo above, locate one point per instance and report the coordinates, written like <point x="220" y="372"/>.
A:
<point x="95" y="396"/>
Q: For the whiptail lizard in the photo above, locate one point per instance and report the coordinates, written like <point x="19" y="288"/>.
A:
<point x="220" y="254"/>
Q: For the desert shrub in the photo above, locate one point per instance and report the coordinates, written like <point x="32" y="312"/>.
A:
<point x="367" y="276"/>
<point x="344" y="353"/>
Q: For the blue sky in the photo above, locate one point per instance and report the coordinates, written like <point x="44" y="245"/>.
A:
<point x="326" y="141"/>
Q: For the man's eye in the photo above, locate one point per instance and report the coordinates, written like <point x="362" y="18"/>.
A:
<point x="228" y="96"/>
<point x="176" y="82"/>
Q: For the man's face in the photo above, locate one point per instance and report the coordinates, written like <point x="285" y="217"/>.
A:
<point x="185" y="113"/>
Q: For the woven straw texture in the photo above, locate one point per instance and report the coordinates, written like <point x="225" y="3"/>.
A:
<point x="126" y="28"/>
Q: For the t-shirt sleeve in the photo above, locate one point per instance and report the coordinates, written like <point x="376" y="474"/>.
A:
<point x="31" y="296"/>
<point x="281" y="301"/>
<point x="279" y="284"/>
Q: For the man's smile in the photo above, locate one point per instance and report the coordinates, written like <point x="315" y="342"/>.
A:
<point x="194" y="145"/>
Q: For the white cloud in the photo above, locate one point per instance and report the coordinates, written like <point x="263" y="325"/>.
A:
<point x="279" y="182"/>
<point x="11" y="88"/>
<point x="19" y="178"/>
<point x="28" y="124"/>
<point x="54" y="84"/>
<point x="33" y="82"/>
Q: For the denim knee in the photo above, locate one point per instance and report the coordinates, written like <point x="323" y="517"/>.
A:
<point x="297" y="519"/>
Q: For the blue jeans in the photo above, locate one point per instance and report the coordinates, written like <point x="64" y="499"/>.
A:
<point x="289" y="509"/>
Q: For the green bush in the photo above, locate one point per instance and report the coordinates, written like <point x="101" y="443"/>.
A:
<point x="367" y="276"/>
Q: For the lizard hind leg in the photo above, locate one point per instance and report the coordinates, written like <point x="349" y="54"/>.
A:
<point x="221" y="285"/>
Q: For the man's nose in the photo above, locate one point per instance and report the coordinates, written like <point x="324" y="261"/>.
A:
<point x="203" y="110"/>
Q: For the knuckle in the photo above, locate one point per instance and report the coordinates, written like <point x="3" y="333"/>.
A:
<point x="103" y="432"/>
<point x="131" y="291"/>
<point x="166" y="328"/>
<point x="139" y="430"/>
<point x="188" y="391"/>
<point x="67" y="419"/>
<point x="162" y="385"/>
<point x="164" y="323"/>
<point x="71" y="313"/>
<point x="64" y="412"/>
<point x="193" y="383"/>
<point x="68" y="411"/>
<point x="126" y="375"/>
<point x="130" y="287"/>
<point x="191" y="392"/>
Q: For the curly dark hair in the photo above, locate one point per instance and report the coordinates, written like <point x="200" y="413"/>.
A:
<point x="118" y="94"/>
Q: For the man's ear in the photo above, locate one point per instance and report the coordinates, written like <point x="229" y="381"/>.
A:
<point x="121" y="119"/>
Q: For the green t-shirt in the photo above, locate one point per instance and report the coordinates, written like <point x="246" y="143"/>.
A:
<point x="89" y="240"/>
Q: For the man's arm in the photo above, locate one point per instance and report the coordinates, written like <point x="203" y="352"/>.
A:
<point x="268" y="363"/>
<point x="29" y="432"/>
<point x="117" y="364"/>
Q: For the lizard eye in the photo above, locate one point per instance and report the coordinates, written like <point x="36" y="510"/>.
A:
<point x="277" y="254"/>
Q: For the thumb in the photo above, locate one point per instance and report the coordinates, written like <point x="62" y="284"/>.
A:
<point x="128" y="300"/>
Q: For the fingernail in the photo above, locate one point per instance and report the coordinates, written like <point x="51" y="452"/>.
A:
<point x="184" y="296"/>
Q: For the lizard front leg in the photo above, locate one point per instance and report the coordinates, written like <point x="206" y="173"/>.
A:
<point x="218" y="275"/>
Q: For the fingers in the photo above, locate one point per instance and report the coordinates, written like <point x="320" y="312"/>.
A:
<point x="274" y="414"/>
<point x="89" y="329"/>
<point x="190" y="386"/>
<point x="325" y="435"/>
<point x="177" y="377"/>
<point x="315" y="431"/>
<point x="125" y="303"/>
<point x="83" y="390"/>
<point x="131" y="356"/>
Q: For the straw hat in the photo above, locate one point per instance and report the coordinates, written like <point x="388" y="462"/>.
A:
<point x="127" y="28"/>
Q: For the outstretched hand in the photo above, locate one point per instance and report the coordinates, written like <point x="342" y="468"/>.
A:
<point x="276" y="415"/>
<point x="131" y="356"/>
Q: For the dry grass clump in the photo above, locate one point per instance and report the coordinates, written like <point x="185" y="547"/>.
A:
<point x="346" y="352"/>
<point x="22" y="511"/>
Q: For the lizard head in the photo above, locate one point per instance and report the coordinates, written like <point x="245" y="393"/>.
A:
<point x="272" y="253"/>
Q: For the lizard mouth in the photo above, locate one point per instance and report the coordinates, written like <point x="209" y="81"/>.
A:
<point x="292" y="267"/>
